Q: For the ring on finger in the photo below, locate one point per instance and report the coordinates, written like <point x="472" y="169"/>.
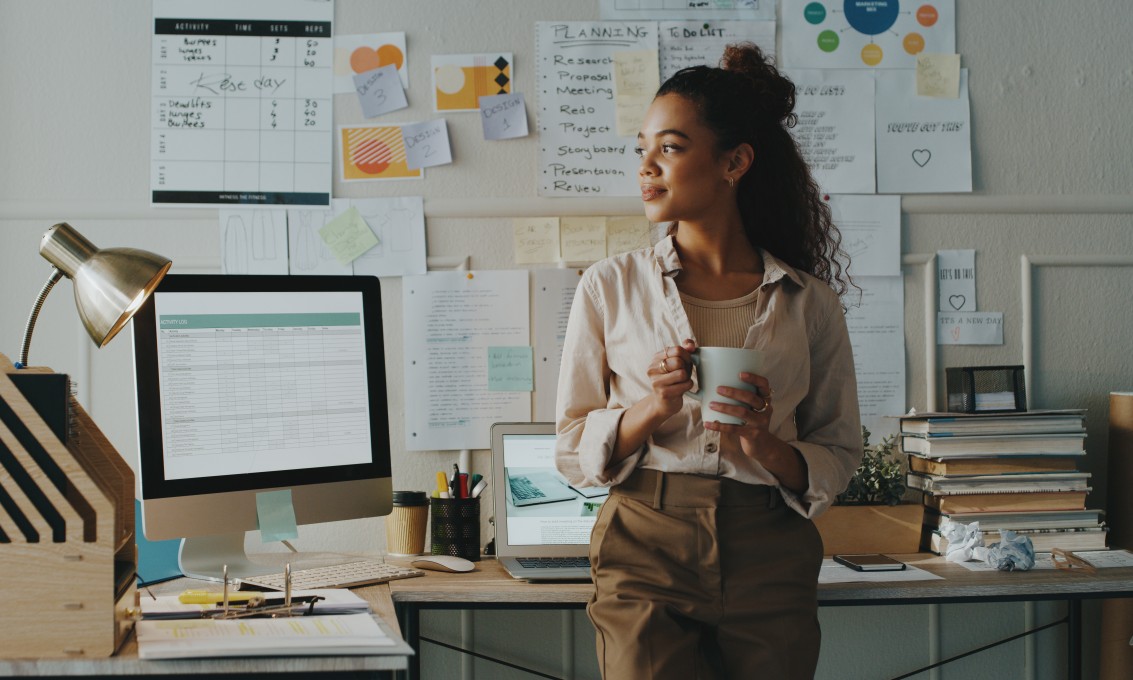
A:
<point x="762" y="408"/>
<point x="664" y="366"/>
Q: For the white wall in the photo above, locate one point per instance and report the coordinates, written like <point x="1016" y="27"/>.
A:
<point x="1050" y="85"/>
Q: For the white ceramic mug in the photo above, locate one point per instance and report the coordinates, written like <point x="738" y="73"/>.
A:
<point x="721" y="367"/>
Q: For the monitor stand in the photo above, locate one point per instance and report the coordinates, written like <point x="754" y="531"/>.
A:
<point x="204" y="557"/>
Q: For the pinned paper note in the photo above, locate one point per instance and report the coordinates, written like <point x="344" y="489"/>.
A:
<point x="504" y="116"/>
<point x="460" y="79"/>
<point x="969" y="328"/>
<point x="956" y="280"/>
<point x="275" y="516"/>
<point x="536" y="240"/>
<point x="354" y="54"/>
<point x="379" y="91"/>
<point x="938" y="75"/>
<point x="426" y="143"/>
<point x="348" y="236"/>
<point x="636" y="79"/>
<point x="626" y="233"/>
<point x="510" y="369"/>
<point x="583" y="239"/>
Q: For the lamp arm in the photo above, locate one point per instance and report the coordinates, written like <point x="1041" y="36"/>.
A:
<point x="26" y="345"/>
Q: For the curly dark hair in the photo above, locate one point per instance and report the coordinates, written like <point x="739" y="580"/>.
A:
<point x="746" y="99"/>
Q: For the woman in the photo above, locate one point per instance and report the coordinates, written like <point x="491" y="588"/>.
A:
<point x="704" y="558"/>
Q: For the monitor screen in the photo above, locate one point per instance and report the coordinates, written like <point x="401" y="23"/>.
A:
<point x="250" y="384"/>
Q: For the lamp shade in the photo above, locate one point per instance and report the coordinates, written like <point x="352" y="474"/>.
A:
<point x="110" y="284"/>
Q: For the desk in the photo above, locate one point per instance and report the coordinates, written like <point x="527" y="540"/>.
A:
<point x="490" y="587"/>
<point x="126" y="662"/>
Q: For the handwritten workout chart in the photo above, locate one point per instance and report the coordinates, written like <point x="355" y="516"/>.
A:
<point x="241" y="106"/>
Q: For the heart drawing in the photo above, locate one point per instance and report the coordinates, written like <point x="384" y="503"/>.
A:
<point x="921" y="157"/>
<point x="955" y="333"/>
<point x="957" y="301"/>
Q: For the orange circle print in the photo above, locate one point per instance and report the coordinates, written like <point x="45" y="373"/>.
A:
<point x="927" y="15"/>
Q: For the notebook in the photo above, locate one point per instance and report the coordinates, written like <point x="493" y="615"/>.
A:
<point x="542" y="523"/>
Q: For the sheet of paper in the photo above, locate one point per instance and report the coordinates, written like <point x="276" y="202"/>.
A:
<point x="354" y="54"/>
<point x="581" y="153"/>
<point x="583" y="239"/>
<point x="1103" y="559"/>
<point x="832" y="572"/>
<point x="1042" y="561"/>
<point x="865" y="33"/>
<point x="554" y="293"/>
<point x="835" y="128"/>
<point x="877" y="334"/>
<point x="197" y="638"/>
<point x="459" y="80"/>
<point x="924" y="145"/>
<point x="626" y="233"/>
<point x="682" y="44"/>
<point x="969" y="328"/>
<point x="510" y="370"/>
<point x="275" y="516"/>
<point x="399" y="223"/>
<point x="871" y="232"/>
<point x="373" y="152"/>
<point x="938" y="75"/>
<point x="348" y="236"/>
<point x="536" y="240"/>
<point x="380" y="91"/>
<point x="307" y="253"/>
<point x="636" y="79"/>
<point x="687" y="9"/>
<point x="956" y="280"/>
<point x="241" y="103"/>
<point x="451" y="318"/>
<point x="426" y="144"/>
<point x="503" y="116"/>
<point x="253" y="241"/>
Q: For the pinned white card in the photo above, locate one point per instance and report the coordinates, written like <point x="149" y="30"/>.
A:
<point x="969" y="328"/>
<point x="380" y="91"/>
<point x="956" y="280"/>
<point x="426" y="144"/>
<point x="504" y="116"/>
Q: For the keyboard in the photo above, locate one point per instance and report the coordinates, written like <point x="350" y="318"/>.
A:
<point x="523" y="490"/>
<point x="345" y="575"/>
<point x="553" y="562"/>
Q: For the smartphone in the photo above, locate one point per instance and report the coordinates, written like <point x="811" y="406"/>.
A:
<point x="870" y="562"/>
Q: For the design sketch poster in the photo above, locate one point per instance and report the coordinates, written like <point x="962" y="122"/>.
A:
<point x="371" y="152"/>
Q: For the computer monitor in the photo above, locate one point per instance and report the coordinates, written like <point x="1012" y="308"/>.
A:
<point x="251" y="384"/>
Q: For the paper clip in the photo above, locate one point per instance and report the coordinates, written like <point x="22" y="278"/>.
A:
<point x="260" y="607"/>
<point x="1068" y="561"/>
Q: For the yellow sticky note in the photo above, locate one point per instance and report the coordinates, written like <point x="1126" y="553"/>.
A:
<point x="348" y="236"/>
<point x="536" y="240"/>
<point x="629" y="114"/>
<point x="583" y="238"/>
<point x="938" y="75"/>
<point x="636" y="73"/>
<point x="626" y="233"/>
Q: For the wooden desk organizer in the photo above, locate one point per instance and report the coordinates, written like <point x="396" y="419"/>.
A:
<point x="67" y="553"/>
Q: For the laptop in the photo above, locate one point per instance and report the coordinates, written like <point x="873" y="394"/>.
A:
<point x="542" y="523"/>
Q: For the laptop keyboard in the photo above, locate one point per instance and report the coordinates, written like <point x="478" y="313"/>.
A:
<point x="553" y="562"/>
<point x="523" y="490"/>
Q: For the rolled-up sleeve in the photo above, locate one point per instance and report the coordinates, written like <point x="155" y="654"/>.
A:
<point x="828" y="420"/>
<point x="585" y="420"/>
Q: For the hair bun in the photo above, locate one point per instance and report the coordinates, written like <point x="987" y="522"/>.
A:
<point x="774" y="93"/>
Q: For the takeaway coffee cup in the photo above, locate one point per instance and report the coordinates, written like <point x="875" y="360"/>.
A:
<point x="721" y="366"/>
<point x="405" y="524"/>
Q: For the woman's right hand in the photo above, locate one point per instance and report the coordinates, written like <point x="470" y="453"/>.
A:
<point x="670" y="373"/>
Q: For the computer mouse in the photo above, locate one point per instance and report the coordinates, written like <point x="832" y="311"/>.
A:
<point x="442" y="563"/>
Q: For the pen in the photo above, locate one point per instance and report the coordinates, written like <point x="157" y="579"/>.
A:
<point x="454" y="485"/>
<point x="464" y="485"/>
<point x="442" y="485"/>
<point x="479" y="487"/>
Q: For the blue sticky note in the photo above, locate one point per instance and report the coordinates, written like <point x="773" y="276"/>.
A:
<point x="275" y="516"/>
<point x="510" y="369"/>
<point x="157" y="560"/>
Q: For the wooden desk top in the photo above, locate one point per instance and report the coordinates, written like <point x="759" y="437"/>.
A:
<point x="489" y="584"/>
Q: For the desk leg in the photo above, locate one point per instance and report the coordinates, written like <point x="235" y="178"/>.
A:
<point x="409" y="617"/>
<point x="1074" y="640"/>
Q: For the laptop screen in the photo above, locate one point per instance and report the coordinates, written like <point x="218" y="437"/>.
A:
<point x="540" y="508"/>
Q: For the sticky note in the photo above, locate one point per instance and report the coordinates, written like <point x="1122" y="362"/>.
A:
<point x="426" y="144"/>
<point x="348" y="236"/>
<point x="504" y="116"/>
<point x="626" y="233"/>
<point x="510" y="369"/>
<point x="636" y="73"/>
<point x="380" y="91"/>
<point x="938" y="75"/>
<point x="275" y="516"/>
<point x="536" y="240"/>
<point x="583" y="239"/>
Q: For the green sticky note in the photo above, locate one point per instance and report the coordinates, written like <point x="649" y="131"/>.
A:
<point x="275" y="516"/>
<point x="348" y="236"/>
<point x="510" y="369"/>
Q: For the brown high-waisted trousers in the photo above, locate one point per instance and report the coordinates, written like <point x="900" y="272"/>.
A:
<point x="701" y="577"/>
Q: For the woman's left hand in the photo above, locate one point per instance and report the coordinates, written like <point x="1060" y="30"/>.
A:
<point x="754" y="411"/>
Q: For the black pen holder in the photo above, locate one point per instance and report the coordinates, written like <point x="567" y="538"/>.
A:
<point x="456" y="527"/>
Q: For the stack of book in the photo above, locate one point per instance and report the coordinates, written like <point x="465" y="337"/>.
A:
<point x="1015" y="471"/>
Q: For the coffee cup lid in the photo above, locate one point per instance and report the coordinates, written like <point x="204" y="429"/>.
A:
<point x="410" y="498"/>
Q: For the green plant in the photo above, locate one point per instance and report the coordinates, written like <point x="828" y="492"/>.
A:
<point x="879" y="480"/>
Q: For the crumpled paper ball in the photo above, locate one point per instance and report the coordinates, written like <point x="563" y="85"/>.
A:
<point x="1013" y="552"/>
<point x="965" y="541"/>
